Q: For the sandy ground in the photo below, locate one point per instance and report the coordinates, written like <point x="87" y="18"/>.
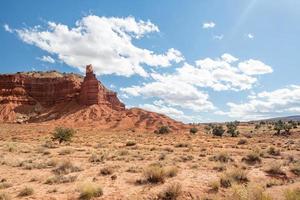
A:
<point x="29" y="159"/>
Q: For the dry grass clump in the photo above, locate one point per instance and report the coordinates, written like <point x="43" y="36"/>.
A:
<point x="219" y="167"/>
<point x="214" y="186"/>
<point x="252" y="158"/>
<point x="292" y="194"/>
<point x="171" y="171"/>
<point x="130" y="143"/>
<point x="59" y="179"/>
<point x="273" y="151"/>
<point x="89" y="190"/>
<point x="108" y="170"/>
<point x="221" y="157"/>
<point x="4" y="196"/>
<point x="96" y="158"/>
<point x="275" y="169"/>
<point x="242" y="141"/>
<point x="154" y="174"/>
<point x="4" y="185"/>
<point x="27" y="191"/>
<point x="66" y="167"/>
<point x="251" y="192"/>
<point x="295" y="169"/>
<point x="233" y="176"/>
<point x="171" y="192"/>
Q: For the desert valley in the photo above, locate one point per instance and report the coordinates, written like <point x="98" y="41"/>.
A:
<point x="63" y="136"/>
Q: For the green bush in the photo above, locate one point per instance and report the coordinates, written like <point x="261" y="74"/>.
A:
<point x="63" y="134"/>
<point x="232" y="129"/>
<point x="218" y="130"/>
<point x="193" y="130"/>
<point x="163" y="130"/>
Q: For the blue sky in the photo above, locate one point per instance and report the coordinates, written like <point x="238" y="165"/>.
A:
<point x="195" y="61"/>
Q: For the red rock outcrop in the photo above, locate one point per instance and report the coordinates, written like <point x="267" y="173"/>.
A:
<point x="93" y="92"/>
<point x="70" y="98"/>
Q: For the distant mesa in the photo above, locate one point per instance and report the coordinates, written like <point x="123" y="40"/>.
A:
<point x="32" y="97"/>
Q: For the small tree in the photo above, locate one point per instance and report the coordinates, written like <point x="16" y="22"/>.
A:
<point x="232" y="129"/>
<point x="278" y="126"/>
<point x="193" y="130"/>
<point x="287" y="128"/>
<point x="163" y="130"/>
<point x="218" y="130"/>
<point x="63" y="134"/>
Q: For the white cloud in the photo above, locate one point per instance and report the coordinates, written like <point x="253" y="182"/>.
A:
<point x="7" y="28"/>
<point x="160" y="107"/>
<point x="48" y="59"/>
<point x="104" y="42"/>
<point x="268" y="104"/>
<point x="207" y="25"/>
<point x="218" y="37"/>
<point x="254" y="67"/>
<point x="250" y="36"/>
<point x="172" y="92"/>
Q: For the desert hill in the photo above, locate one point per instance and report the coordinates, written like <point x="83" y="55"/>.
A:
<point x="31" y="97"/>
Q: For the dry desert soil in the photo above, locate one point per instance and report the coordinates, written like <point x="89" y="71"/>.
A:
<point x="131" y="165"/>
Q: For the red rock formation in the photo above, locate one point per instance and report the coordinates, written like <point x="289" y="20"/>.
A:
<point x="93" y="92"/>
<point x="70" y="98"/>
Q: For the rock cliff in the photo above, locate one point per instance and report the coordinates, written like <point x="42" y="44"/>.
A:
<point x="70" y="98"/>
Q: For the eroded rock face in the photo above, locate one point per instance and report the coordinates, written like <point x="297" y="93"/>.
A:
<point x="48" y="89"/>
<point x="93" y="92"/>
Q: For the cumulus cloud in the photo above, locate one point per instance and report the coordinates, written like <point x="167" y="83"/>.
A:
<point x="184" y="87"/>
<point x="268" y="104"/>
<point x="48" y="59"/>
<point x="172" y="92"/>
<point x="250" y="36"/>
<point x="218" y="37"/>
<point x="7" y="28"/>
<point x="254" y="67"/>
<point x="105" y="42"/>
<point x="160" y="107"/>
<point x="207" y="25"/>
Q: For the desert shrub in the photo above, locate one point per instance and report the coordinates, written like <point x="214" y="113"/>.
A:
<point x="250" y="192"/>
<point x="108" y="170"/>
<point x="295" y="169"/>
<point x="218" y="130"/>
<point x="274" y="169"/>
<point x="181" y="145"/>
<point x="130" y="143"/>
<point x="193" y="130"/>
<point x="4" y="196"/>
<point x="27" y="191"/>
<point x="292" y="194"/>
<point x="4" y="185"/>
<point x="252" y="158"/>
<point x="171" y="171"/>
<point x="221" y="157"/>
<point x="63" y="134"/>
<point x="66" y="167"/>
<point x="273" y="151"/>
<point x="154" y="174"/>
<point x="242" y="141"/>
<point x="58" y="179"/>
<point x="90" y="190"/>
<point x="214" y="186"/>
<point x="233" y="176"/>
<point x="163" y="130"/>
<point x="232" y="129"/>
<point x="219" y="167"/>
<point x="171" y="192"/>
<point x="95" y="158"/>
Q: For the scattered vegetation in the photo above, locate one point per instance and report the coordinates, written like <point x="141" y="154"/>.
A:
<point x="89" y="190"/>
<point x="154" y="174"/>
<point x="252" y="158"/>
<point x="250" y="192"/>
<point x="27" y="191"/>
<point x="273" y="151"/>
<point x="193" y="130"/>
<point x="62" y="134"/>
<point x="232" y="128"/>
<point x="218" y="130"/>
<point x="4" y="196"/>
<point x="274" y="169"/>
<point x="171" y="192"/>
<point x="292" y="194"/>
<point x="106" y="171"/>
<point x="221" y="157"/>
<point x="66" y="167"/>
<point x="162" y="130"/>
<point x="130" y="143"/>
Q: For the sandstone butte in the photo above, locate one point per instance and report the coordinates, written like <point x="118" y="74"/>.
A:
<point x="67" y="98"/>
